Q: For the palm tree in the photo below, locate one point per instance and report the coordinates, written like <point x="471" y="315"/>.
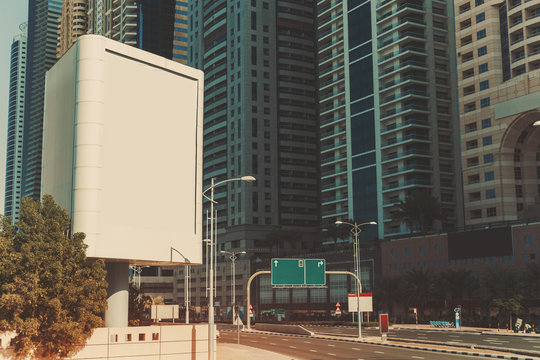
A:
<point x="459" y="283"/>
<point x="389" y="291"/>
<point x="419" y="287"/>
<point x="335" y="232"/>
<point x="507" y="307"/>
<point x="531" y="279"/>
<point x="420" y="209"/>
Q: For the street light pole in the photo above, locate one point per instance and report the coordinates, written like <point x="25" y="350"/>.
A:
<point x="211" y="330"/>
<point x="356" y="230"/>
<point x="233" y="256"/>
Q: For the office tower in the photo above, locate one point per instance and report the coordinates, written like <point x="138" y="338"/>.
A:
<point x="15" y="128"/>
<point x="180" y="39"/>
<point x="156" y="26"/>
<point x="72" y="24"/>
<point x="260" y="117"/>
<point x="388" y="110"/>
<point x="41" y="56"/>
<point x="499" y="90"/>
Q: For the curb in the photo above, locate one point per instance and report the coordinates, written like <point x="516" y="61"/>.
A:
<point x="456" y="352"/>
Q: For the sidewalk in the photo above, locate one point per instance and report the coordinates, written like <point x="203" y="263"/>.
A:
<point x="465" y="329"/>
<point x="242" y="352"/>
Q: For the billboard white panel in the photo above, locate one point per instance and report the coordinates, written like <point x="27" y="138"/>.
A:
<point x="122" y="151"/>
<point x="164" y="312"/>
<point x="366" y="302"/>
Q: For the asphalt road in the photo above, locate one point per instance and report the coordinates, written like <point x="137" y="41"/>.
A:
<point x="306" y="348"/>
<point x="502" y="341"/>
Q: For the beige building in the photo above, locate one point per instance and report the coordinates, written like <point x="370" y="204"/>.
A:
<point x="498" y="48"/>
<point x="71" y="25"/>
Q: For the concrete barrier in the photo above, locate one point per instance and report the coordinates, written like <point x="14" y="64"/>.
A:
<point x="284" y="329"/>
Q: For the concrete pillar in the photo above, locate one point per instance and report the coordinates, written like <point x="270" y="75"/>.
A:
<point x="116" y="314"/>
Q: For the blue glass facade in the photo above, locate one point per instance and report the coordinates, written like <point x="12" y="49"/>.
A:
<point x="17" y="71"/>
<point x="41" y="56"/>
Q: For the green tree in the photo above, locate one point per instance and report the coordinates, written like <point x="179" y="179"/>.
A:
<point x="138" y="306"/>
<point x="50" y="295"/>
<point x="419" y="210"/>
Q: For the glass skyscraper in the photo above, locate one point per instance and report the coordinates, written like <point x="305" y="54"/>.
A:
<point x="388" y="110"/>
<point x="15" y="130"/>
<point x="259" y="59"/>
<point x="41" y="56"/>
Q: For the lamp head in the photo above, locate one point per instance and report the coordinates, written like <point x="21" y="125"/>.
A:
<point x="248" y="178"/>
<point x="339" y="222"/>
<point x="372" y="223"/>
<point x="536" y="123"/>
<point x="242" y="252"/>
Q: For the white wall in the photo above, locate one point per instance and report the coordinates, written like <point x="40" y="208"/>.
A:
<point x="176" y="342"/>
<point x="122" y="151"/>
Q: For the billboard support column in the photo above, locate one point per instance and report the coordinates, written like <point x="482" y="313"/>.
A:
<point x="117" y="277"/>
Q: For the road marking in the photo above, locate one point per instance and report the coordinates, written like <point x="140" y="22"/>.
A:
<point x="253" y="341"/>
<point x="307" y="342"/>
<point x="331" y="354"/>
<point x="313" y="350"/>
<point x="355" y="348"/>
<point x="331" y="345"/>
<point x="418" y="357"/>
<point x="272" y="344"/>
<point x="292" y="347"/>
<point x="379" y="352"/>
<point x="285" y="339"/>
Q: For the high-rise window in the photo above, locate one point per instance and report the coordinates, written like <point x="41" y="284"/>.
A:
<point x="482" y="68"/>
<point x="488" y="158"/>
<point x="480" y="34"/>
<point x="482" y="51"/>
<point x="480" y="17"/>
<point x="484" y="85"/>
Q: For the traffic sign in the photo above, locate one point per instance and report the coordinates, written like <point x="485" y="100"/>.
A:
<point x="315" y="271"/>
<point x="298" y="272"/>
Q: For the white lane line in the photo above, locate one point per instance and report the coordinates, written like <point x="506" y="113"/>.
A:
<point x="313" y="350"/>
<point x="355" y="348"/>
<point x="418" y="357"/>
<point x="292" y="347"/>
<point x="379" y="352"/>
<point x="272" y="344"/>
<point x="253" y="341"/>
<point x="331" y="345"/>
<point x="307" y="342"/>
<point x="331" y="354"/>
<point x="284" y="339"/>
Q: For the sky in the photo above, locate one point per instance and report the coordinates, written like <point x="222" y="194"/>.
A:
<point x="12" y="14"/>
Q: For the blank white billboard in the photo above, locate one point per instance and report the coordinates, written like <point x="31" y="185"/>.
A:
<point x="122" y="151"/>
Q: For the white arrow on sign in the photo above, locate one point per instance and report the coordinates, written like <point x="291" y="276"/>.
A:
<point x="275" y="263"/>
<point x="320" y="263"/>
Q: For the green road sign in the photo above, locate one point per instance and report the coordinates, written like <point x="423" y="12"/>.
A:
<point x="315" y="271"/>
<point x="299" y="272"/>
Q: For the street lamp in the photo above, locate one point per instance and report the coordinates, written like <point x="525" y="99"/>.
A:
<point x="356" y="230"/>
<point x="536" y="123"/>
<point x="233" y="256"/>
<point x="213" y="185"/>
